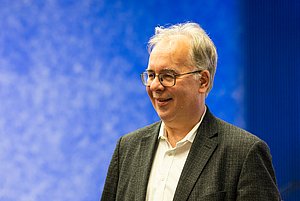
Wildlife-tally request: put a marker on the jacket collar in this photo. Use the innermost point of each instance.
(202, 148)
(147, 152)
(201, 151)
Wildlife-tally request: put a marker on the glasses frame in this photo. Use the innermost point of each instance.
(159, 75)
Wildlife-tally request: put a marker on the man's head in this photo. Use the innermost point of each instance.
(180, 71)
(202, 51)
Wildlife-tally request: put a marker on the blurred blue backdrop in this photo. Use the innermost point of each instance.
(70, 87)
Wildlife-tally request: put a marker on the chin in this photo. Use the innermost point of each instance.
(165, 117)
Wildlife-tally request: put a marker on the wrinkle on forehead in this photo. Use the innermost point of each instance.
(177, 48)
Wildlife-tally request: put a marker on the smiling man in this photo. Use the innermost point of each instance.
(190, 154)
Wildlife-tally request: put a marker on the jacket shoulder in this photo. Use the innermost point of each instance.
(147, 131)
(239, 142)
(230, 132)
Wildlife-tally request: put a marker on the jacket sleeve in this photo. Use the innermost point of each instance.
(111, 183)
(257, 179)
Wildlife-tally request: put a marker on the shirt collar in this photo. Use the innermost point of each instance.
(189, 137)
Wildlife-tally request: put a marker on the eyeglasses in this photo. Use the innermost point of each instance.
(166, 79)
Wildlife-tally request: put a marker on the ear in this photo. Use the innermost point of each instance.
(204, 81)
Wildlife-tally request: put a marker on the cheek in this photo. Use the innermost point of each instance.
(148, 91)
(187, 98)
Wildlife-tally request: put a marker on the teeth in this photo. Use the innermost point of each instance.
(163, 100)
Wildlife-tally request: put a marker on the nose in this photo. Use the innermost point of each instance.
(156, 85)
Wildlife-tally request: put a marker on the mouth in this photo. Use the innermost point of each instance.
(163, 101)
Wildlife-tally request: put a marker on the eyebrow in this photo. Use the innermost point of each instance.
(165, 70)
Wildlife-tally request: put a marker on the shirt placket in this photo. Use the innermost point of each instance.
(165, 168)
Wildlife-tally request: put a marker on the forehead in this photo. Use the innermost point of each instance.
(171, 52)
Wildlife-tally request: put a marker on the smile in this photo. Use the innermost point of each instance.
(163, 101)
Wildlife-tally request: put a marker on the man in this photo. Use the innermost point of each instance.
(190, 154)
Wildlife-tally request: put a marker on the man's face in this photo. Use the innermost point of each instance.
(181, 102)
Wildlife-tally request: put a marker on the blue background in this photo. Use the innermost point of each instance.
(70, 87)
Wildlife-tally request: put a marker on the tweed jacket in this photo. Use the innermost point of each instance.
(224, 163)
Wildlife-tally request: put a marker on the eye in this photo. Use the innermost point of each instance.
(168, 77)
(151, 75)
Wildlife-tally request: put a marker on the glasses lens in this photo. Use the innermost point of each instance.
(167, 79)
(146, 78)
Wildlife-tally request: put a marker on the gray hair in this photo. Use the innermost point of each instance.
(203, 53)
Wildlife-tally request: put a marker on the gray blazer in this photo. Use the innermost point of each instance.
(224, 163)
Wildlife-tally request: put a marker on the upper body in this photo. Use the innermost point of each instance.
(224, 163)
(220, 161)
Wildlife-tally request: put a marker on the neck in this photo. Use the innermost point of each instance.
(177, 130)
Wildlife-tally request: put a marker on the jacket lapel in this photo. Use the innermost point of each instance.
(147, 151)
(203, 147)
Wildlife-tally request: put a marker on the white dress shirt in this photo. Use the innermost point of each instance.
(168, 164)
